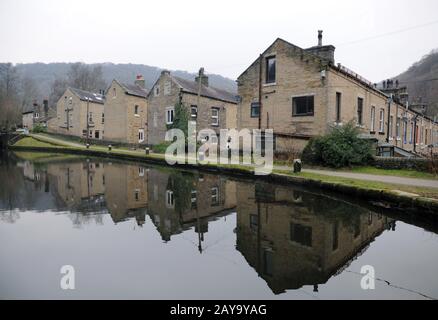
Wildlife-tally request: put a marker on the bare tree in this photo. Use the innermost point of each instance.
(29, 91)
(10, 110)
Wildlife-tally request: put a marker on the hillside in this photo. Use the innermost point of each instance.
(422, 81)
(45, 74)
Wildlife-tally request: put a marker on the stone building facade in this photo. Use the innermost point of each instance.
(217, 109)
(304, 94)
(79, 113)
(126, 118)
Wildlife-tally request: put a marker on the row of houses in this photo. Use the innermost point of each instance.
(299, 93)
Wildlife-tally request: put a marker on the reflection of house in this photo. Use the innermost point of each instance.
(126, 191)
(178, 201)
(295, 239)
(79, 185)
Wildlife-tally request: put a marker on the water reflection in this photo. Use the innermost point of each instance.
(291, 238)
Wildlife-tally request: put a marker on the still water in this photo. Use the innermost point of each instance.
(136, 232)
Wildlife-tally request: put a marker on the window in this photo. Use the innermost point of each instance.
(90, 117)
(136, 110)
(170, 201)
(114, 93)
(141, 171)
(382, 121)
(270, 69)
(373, 119)
(335, 243)
(155, 120)
(405, 131)
(360, 111)
(301, 234)
(140, 135)
(255, 110)
(193, 199)
(193, 112)
(214, 116)
(103, 118)
(338, 106)
(302, 106)
(157, 91)
(37, 115)
(137, 195)
(411, 136)
(254, 222)
(167, 88)
(268, 263)
(97, 134)
(391, 124)
(170, 113)
(397, 128)
(214, 197)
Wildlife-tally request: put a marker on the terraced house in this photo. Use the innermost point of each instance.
(216, 109)
(126, 112)
(79, 113)
(302, 93)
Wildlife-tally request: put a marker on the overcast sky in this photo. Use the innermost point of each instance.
(223, 36)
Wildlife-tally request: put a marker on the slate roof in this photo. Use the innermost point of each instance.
(86, 95)
(28, 109)
(209, 92)
(134, 90)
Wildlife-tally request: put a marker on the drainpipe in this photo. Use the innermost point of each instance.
(389, 118)
(415, 133)
(260, 91)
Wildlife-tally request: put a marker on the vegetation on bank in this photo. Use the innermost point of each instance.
(34, 143)
(342, 147)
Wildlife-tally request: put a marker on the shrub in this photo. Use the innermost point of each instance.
(39, 129)
(342, 147)
(161, 148)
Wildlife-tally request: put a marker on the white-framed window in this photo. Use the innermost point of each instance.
(214, 196)
(214, 116)
(167, 88)
(397, 128)
(170, 200)
(37, 115)
(193, 111)
(170, 114)
(157, 90)
(103, 118)
(382, 121)
(137, 194)
(136, 110)
(140, 135)
(373, 119)
(90, 117)
(141, 171)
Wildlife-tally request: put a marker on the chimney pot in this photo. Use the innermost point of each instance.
(202, 77)
(320, 38)
(139, 81)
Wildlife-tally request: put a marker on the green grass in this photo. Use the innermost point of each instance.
(421, 191)
(394, 172)
(31, 142)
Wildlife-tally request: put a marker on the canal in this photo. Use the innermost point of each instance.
(136, 232)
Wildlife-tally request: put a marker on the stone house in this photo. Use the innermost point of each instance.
(37, 114)
(302, 93)
(126, 112)
(217, 108)
(79, 113)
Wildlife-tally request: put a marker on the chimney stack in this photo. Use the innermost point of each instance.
(202, 77)
(320, 38)
(46, 106)
(139, 81)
